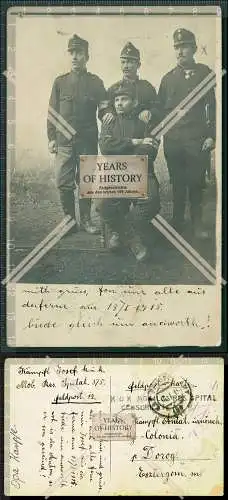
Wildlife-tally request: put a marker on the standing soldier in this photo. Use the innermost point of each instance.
(72, 126)
(145, 93)
(188, 144)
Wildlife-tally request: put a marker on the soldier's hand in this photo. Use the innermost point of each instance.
(208, 144)
(107, 118)
(150, 141)
(52, 146)
(145, 116)
(137, 142)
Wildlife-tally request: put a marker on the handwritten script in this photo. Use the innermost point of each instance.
(118, 315)
(83, 422)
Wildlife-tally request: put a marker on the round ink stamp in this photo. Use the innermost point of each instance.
(169, 396)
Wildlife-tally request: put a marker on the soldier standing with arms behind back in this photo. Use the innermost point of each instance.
(72, 126)
(188, 144)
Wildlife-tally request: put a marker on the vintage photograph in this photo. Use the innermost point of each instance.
(114, 177)
(114, 86)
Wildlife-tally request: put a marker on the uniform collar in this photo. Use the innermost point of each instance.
(79, 73)
(190, 68)
(129, 116)
(129, 80)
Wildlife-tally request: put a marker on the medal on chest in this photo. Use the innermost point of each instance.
(188, 73)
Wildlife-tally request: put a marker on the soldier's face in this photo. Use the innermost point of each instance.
(129, 67)
(123, 104)
(184, 54)
(78, 59)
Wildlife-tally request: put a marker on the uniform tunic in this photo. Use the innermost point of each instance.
(75, 97)
(197, 124)
(186, 161)
(116, 137)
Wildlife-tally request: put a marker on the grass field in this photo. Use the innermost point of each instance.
(35, 211)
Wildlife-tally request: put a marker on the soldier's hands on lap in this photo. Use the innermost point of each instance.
(107, 118)
(52, 146)
(145, 116)
(150, 141)
(137, 142)
(208, 144)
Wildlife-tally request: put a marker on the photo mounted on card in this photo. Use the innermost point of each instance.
(158, 420)
(114, 176)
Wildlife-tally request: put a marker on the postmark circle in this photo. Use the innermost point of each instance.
(169, 396)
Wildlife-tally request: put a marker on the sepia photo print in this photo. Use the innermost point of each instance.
(114, 154)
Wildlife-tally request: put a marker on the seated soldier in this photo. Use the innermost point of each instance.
(128, 135)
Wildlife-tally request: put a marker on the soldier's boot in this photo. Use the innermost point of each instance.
(68, 205)
(138, 249)
(112, 238)
(85, 218)
(179, 200)
(197, 227)
(178, 220)
(114, 241)
(198, 230)
(135, 243)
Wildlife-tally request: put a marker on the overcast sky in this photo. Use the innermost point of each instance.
(41, 55)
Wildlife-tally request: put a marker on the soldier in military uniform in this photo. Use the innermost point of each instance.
(72, 126)
(145, 94)
(188, 144)
(126, 134)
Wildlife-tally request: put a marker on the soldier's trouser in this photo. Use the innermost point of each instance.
(66, 165)
(118, 216)
(187, 165)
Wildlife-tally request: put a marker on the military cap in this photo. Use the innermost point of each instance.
(130, 51)
(77, 43)
(183, 36)
(125, 89)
